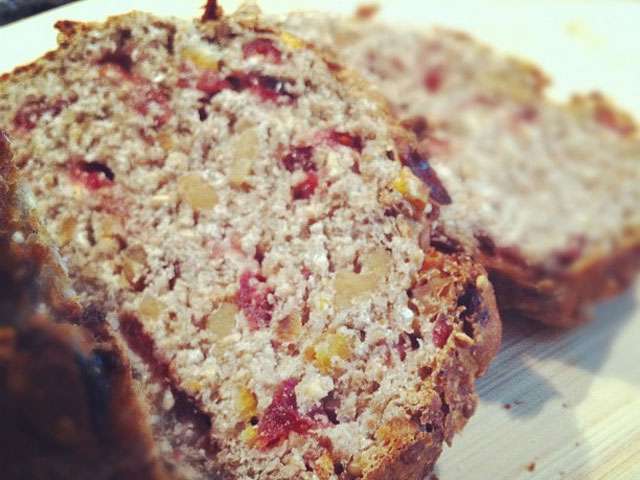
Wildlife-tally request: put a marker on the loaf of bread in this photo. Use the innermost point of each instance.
(69, 409)
(546, 194)
(247, 217)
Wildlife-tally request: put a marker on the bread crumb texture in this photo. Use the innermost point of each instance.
(236, 207)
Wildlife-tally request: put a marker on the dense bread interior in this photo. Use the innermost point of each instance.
(548, 184)
(238, 211)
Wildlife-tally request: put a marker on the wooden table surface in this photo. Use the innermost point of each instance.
(555, 404)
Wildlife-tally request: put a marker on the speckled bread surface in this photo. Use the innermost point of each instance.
(257, 228)
(546, 194)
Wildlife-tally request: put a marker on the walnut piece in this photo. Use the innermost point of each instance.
(197, 192)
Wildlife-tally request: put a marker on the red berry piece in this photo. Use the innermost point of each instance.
(93, 175)
(433, 79)
(346, 139)
(617, 122)
(299, 158)
(441, 332)
(282, 417)
(210, 83)
(263, 47)
(253, 301)
(421, 169)
(306, 188)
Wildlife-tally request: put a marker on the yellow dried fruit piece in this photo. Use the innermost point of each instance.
(67, 230)
(245, 150)
(193, 386)
(197, 192)
(165, 141)
(223, 320)
(291, 40)
(350, 286)
(324, 467)
(201, 59)
(331, 345)
(411, 188)
(246, 403)
(151, 307)
(249, 434)
(289, 328)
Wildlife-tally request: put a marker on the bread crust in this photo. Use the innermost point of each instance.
(68, 402)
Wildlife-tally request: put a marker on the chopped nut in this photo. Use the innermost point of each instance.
(137, 253)
(331, 345)
(223, 320)
(151, 307)
(377, 261)
(201, 59)
(197, 192)
(291, 40)
(246, 403)
(249, 434)
(245, 150)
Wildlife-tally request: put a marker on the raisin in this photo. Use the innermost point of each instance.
(254, 302)
(346, 139)
(93, 175)
(281, 417)
(263, 47)
(421, 169)
(306, 188)
(299, 158)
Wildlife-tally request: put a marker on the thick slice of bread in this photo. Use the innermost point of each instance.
(68, 405)
(245, 214)
(546, 194)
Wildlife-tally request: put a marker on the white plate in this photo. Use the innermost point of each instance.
(564, 404)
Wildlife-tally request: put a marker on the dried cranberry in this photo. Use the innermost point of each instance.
(421, 169)
(264, 47)
(209, 82)
(306, 188)
(27, 116)
(282, 417)
(119, 58)
(299, 158)
(433, 79)
(254, 302)
(441, 332)
(346, 139)
(93, 175)
(269, 88)
(527, 114)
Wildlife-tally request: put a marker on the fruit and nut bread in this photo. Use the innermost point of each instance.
(256, 228)
(69, 408)
(547, 194)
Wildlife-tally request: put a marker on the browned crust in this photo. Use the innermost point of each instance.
(68, 405)
(408, 449)
(559, 299)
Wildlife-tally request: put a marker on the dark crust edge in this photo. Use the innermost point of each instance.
(67, 397)
(560, 299)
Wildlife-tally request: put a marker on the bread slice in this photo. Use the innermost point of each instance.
(68, 405)
(547, 194)
(244, 214)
